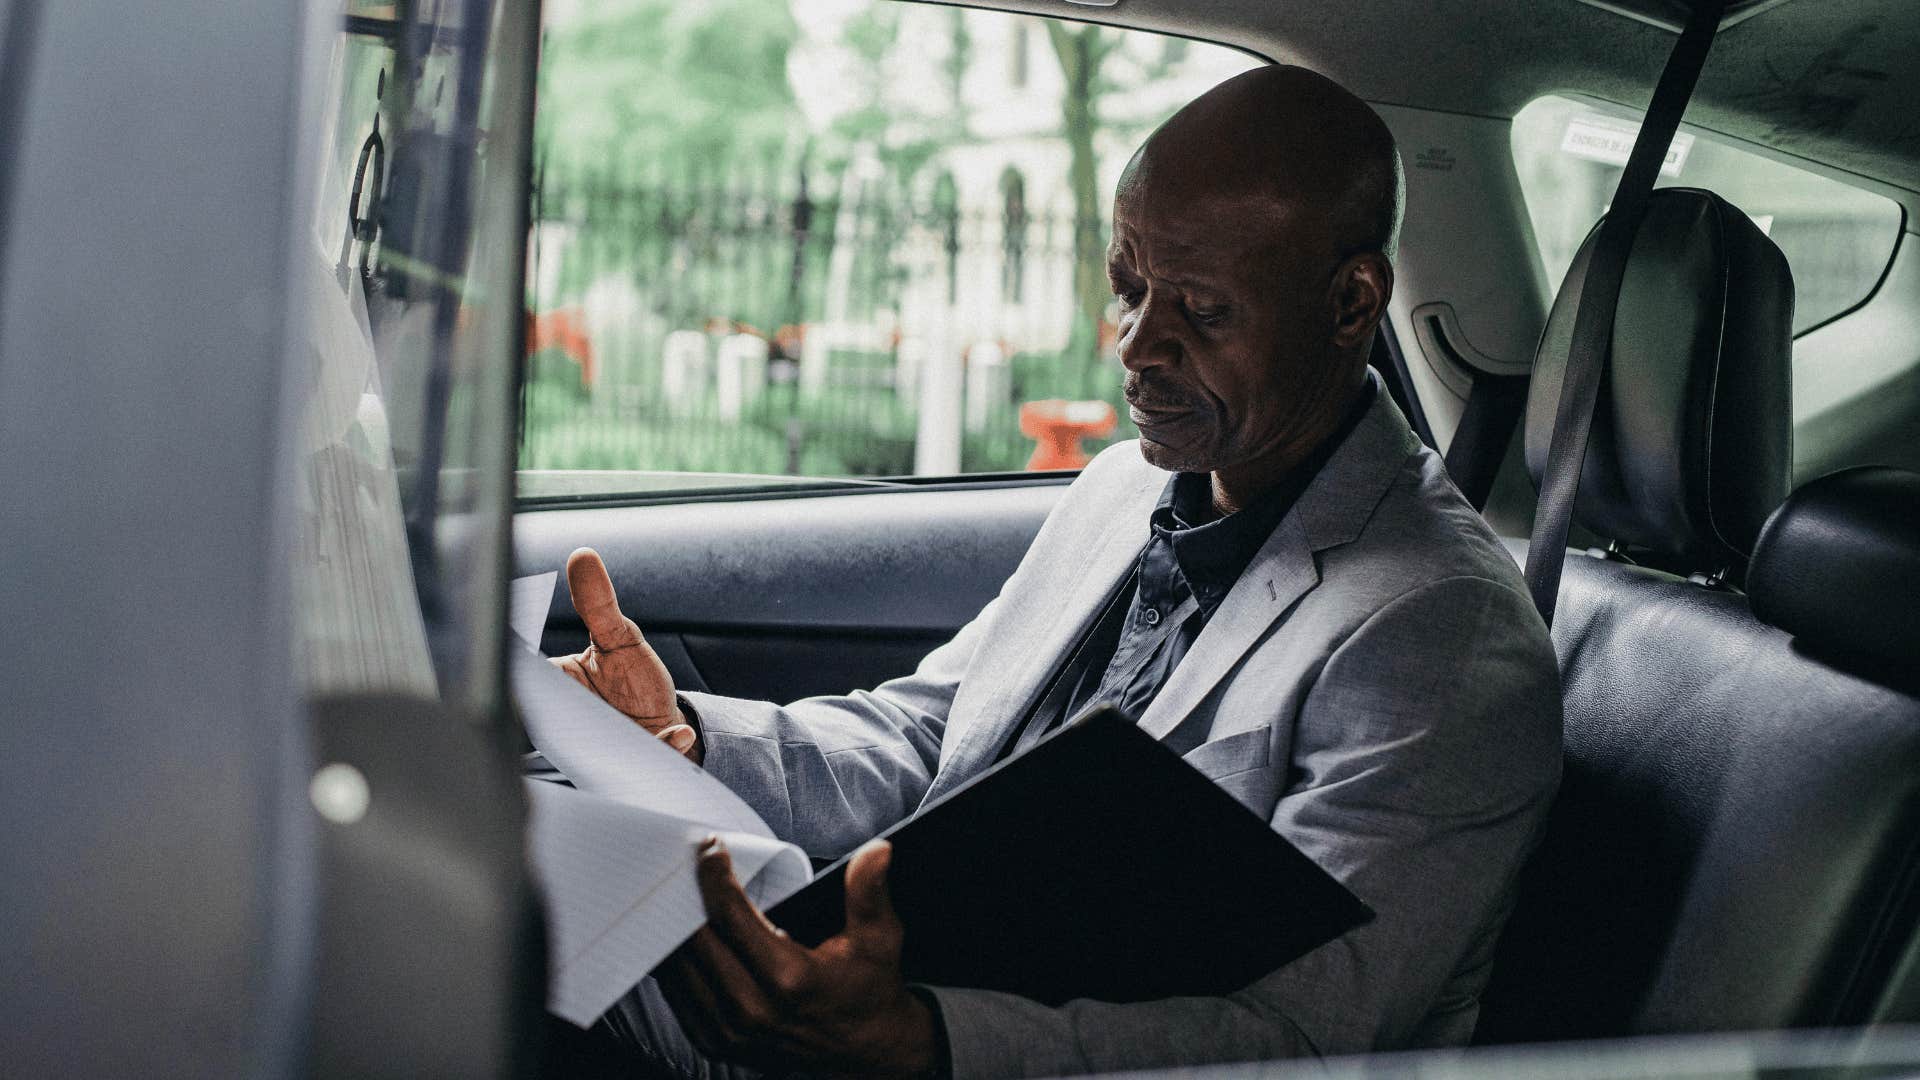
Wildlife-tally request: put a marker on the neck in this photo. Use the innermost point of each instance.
(1240, 485)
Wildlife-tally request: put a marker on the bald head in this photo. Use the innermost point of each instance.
(1284, 136)
(1251, 262)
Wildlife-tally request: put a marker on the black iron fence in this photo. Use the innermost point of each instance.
(817, 326)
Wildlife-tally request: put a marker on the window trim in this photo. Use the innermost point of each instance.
(807, 488)
(1899, 241)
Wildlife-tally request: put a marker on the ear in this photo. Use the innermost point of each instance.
(1361, 288)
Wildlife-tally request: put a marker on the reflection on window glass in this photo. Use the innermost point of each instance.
(1838, 240)
(826, 239)
(360, 622)
(408, 364)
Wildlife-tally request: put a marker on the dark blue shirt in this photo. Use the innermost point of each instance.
(1192, 559)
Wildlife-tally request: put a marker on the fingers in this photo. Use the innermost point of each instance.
(735, 997)
(593, 598)
(869, 900)
(774, 960)
(694, 1002)
(726, 1000)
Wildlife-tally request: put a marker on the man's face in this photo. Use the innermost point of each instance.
(1224, 324)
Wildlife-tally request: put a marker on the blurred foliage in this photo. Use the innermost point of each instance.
(1082, 51)
(558, 378)
(583, 440)
(669, 86)
(848, 431)
(671, 151)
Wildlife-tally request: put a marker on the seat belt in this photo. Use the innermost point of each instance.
(1494, 405)
(1599, 296)
(1391, 367)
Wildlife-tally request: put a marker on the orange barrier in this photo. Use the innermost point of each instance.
(565, 329)
(1057, 426)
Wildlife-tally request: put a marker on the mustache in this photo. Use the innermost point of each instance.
(1156, 397)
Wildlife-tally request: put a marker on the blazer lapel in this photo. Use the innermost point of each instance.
(1025, 661)
(1332, 511)
(1280, 574)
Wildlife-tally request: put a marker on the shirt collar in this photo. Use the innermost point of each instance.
(1210, 551)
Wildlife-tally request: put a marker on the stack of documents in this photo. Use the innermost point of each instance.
(614, 853)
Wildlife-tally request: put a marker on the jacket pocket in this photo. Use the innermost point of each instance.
(1243, 751)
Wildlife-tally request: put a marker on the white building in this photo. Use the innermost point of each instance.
(1005, 161)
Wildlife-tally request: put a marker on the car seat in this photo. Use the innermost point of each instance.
(1734, 843)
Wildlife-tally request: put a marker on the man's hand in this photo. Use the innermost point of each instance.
(618, 664)
(744, 991)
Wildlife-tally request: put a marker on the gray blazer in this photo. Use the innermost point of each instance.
(1377, 685)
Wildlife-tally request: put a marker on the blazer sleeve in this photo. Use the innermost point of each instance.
(828, 773)
(1424, 758)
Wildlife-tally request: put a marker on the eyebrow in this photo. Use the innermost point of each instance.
(1175, 280)
(1191, 283)
(1179, 281)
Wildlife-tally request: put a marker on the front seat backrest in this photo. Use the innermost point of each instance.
(1733, 843)
(1692, 441)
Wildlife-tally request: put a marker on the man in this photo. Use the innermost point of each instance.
(1305, 609)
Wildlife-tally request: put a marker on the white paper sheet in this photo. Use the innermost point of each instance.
(528, 601)
(614, 854)
(621, 892)
(604, 752)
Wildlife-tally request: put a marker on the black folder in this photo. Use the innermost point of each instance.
(1097, 864)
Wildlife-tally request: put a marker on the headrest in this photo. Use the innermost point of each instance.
(1838, 565)
(1693, 433)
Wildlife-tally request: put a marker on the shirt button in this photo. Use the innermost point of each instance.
(1152, 615)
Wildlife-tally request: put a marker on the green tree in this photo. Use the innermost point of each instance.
(1081, 50)
(656, 120)
(959, 55)
(668, 86)
(869, 36)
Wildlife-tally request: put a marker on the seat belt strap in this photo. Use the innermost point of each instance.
(1494, 405)
(1599, 296)
(1391, 367)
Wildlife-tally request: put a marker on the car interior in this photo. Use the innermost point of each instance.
(1733, 848)
(1736, 844)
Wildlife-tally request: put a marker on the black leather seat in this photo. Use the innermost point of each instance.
(1737, 840)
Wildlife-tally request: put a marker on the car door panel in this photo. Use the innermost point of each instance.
(785, 667)
(786, 597)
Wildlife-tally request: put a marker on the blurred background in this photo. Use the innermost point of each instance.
(854, 238)
(832, 237)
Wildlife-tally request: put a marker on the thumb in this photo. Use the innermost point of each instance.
(679, 736)
(869, 897)
(593, 598)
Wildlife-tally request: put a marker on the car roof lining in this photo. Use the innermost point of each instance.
(1826, 80)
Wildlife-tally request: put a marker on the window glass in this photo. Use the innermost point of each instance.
(1838, 240)
(414, 240)
(827, 239)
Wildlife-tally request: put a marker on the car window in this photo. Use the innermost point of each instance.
(407, 372)
(781, 241)
(1838, 239)
(1854, 362)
